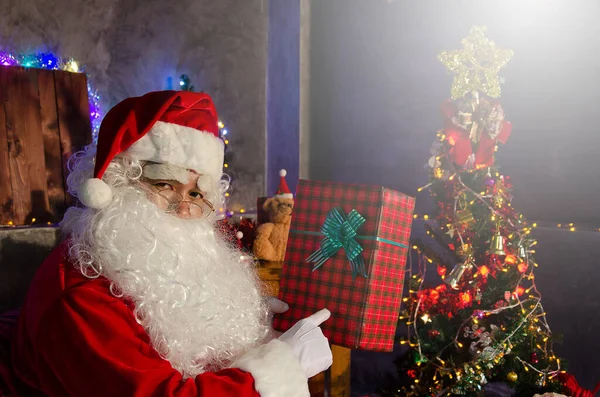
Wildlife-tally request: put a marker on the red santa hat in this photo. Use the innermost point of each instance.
(284, 190)
(179, 128)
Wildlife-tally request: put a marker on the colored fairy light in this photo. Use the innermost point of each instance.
(50, 61)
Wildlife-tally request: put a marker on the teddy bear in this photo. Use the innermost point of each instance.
(271, 238)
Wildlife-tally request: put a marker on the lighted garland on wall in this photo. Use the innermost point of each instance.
(50, 61)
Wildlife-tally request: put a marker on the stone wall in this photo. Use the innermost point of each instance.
(22, 250)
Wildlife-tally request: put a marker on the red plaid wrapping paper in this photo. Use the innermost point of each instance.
(364, 310)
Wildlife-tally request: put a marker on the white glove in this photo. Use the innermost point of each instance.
(309, 344)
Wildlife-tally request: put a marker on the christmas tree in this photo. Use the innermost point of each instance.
(481, 319)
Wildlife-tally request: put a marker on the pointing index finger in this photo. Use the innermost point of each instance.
(319, 317)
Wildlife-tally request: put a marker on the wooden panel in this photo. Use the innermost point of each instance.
(6, 194)
(26, 146)
(340, 372)
(270, 273)
(52, 148)
(73, 117)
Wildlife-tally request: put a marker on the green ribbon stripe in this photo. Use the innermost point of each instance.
(360, 237)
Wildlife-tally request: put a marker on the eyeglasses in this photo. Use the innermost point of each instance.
(169, 201)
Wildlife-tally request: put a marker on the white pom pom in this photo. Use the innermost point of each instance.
(94, 193)
(239, 235)
(282, 172)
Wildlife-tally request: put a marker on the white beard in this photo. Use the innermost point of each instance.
(199, 303)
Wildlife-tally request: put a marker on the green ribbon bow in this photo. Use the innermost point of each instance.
(340, 232)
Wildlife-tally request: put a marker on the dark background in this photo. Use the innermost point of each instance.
(376, 87)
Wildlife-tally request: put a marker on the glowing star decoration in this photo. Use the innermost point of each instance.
(476, 66)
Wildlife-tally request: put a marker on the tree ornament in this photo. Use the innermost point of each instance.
(497, 244)
(465, 250)
(521, 252)
(464, 216)
(512, 377)
(419, 358)
(442, 270)
(433, 333)
(534, 358)
(541, 382)
(456, 275)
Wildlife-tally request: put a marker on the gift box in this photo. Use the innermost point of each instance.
(347, 252)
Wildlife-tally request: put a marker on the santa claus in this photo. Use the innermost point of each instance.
(144, 297)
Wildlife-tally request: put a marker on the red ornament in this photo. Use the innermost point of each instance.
(442, 270)
(534, 358)
(412, 373)
(433, 333)
(461, 148)
(484, 270)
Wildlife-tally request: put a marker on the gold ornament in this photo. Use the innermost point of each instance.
(465, 250)
(511, 376)
(497, 245)
(457, 273)
(464, 216)
(438, 173)
(476, 66)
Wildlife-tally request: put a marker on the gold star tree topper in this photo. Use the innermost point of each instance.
(476, 66)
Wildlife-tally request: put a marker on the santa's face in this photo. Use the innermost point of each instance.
(176, 191)
(200, 304)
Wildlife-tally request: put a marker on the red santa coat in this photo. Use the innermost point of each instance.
(74, 338)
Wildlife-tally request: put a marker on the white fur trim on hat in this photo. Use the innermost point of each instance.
(285, 195)
(187, 147)
(166, 171)
(94, 193)
(276, 370)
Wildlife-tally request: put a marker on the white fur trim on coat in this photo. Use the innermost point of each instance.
(187, 147)
(276, 370)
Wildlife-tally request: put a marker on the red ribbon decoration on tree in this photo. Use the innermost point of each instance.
(460, 139)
